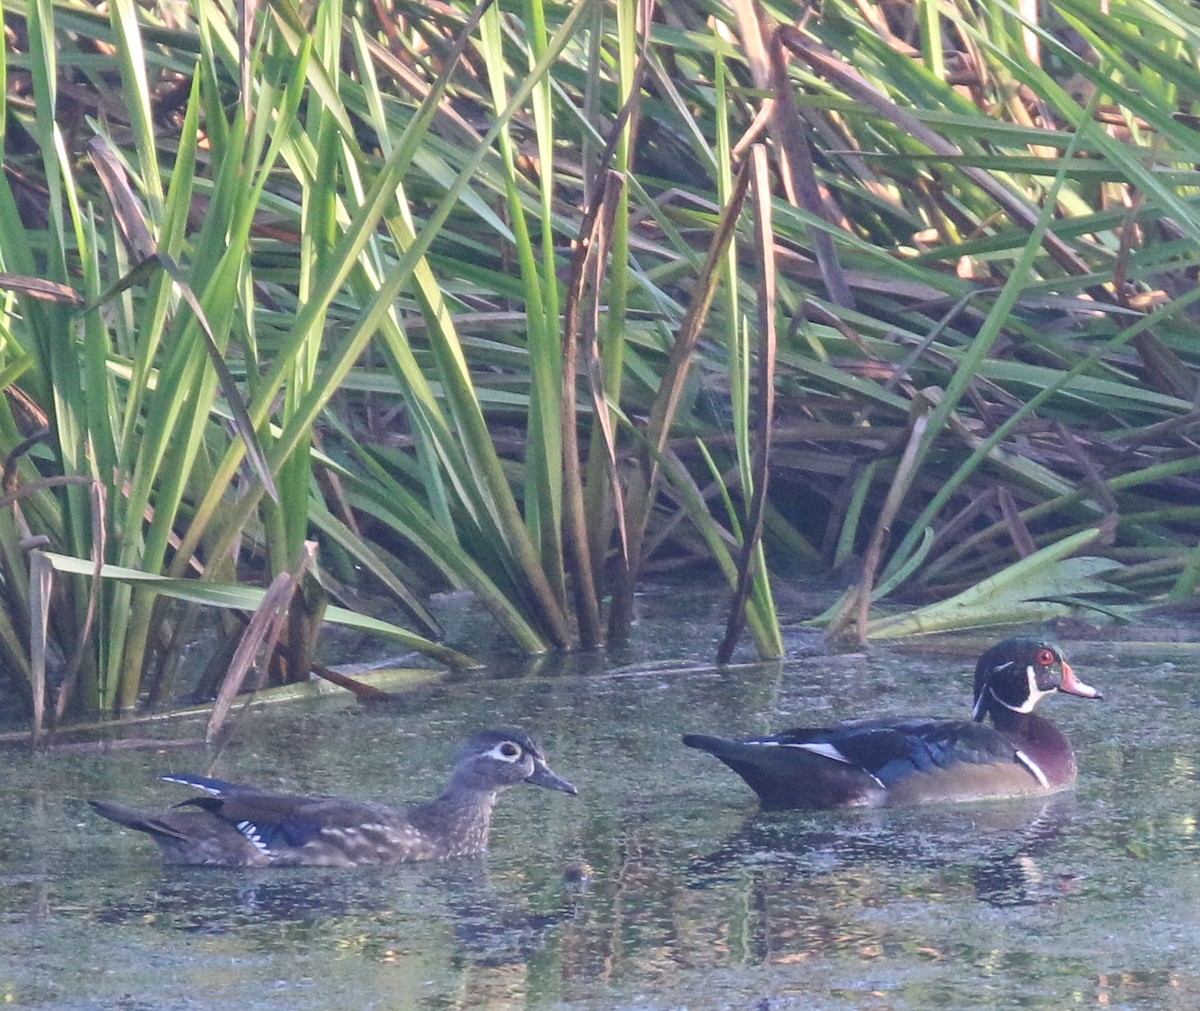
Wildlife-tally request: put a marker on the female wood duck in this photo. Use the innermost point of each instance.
(913, 761)
(242, 826)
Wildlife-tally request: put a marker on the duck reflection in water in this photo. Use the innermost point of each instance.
(997, 847)
(375, 910)
(285, 846)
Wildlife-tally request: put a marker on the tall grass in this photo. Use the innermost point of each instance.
(532, 298)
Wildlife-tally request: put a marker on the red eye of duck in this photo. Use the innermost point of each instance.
(1045, 657)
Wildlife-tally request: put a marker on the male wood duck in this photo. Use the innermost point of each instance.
(912, 761)
(243, 826)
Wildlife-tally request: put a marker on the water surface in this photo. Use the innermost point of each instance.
(690, 899)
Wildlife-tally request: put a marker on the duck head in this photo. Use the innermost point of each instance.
(495, 759)
(1016, 674)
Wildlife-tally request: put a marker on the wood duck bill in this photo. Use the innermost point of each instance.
(237, 825)
(1073, 686)
(1004, 750)
(543, 775)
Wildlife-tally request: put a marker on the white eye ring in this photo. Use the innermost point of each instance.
(505, 751)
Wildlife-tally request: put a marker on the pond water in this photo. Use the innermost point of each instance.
(692, 900)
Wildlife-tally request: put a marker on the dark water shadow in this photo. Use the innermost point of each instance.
(996, 846)
(384, 908)
(1085, 898)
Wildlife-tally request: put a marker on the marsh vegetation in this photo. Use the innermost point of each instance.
(309, 316)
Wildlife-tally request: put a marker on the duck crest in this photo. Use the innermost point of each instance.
(908, 761)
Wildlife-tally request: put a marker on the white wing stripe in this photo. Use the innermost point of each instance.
(212, 791)
(250, 831)
(825, 750)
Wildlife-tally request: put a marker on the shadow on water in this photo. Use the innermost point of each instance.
(995, 846)
(386, 906)
(659, 886)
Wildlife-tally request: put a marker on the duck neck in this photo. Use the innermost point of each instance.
(1009, 721)
(1039, 740)
(461, 817)
(468, 804)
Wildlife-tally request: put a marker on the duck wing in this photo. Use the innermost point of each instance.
(860, 762)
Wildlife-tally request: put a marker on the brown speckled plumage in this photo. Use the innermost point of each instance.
(242, 826)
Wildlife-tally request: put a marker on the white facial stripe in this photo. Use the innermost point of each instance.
(1033, 767)
(1033, 694)
(501, 752)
